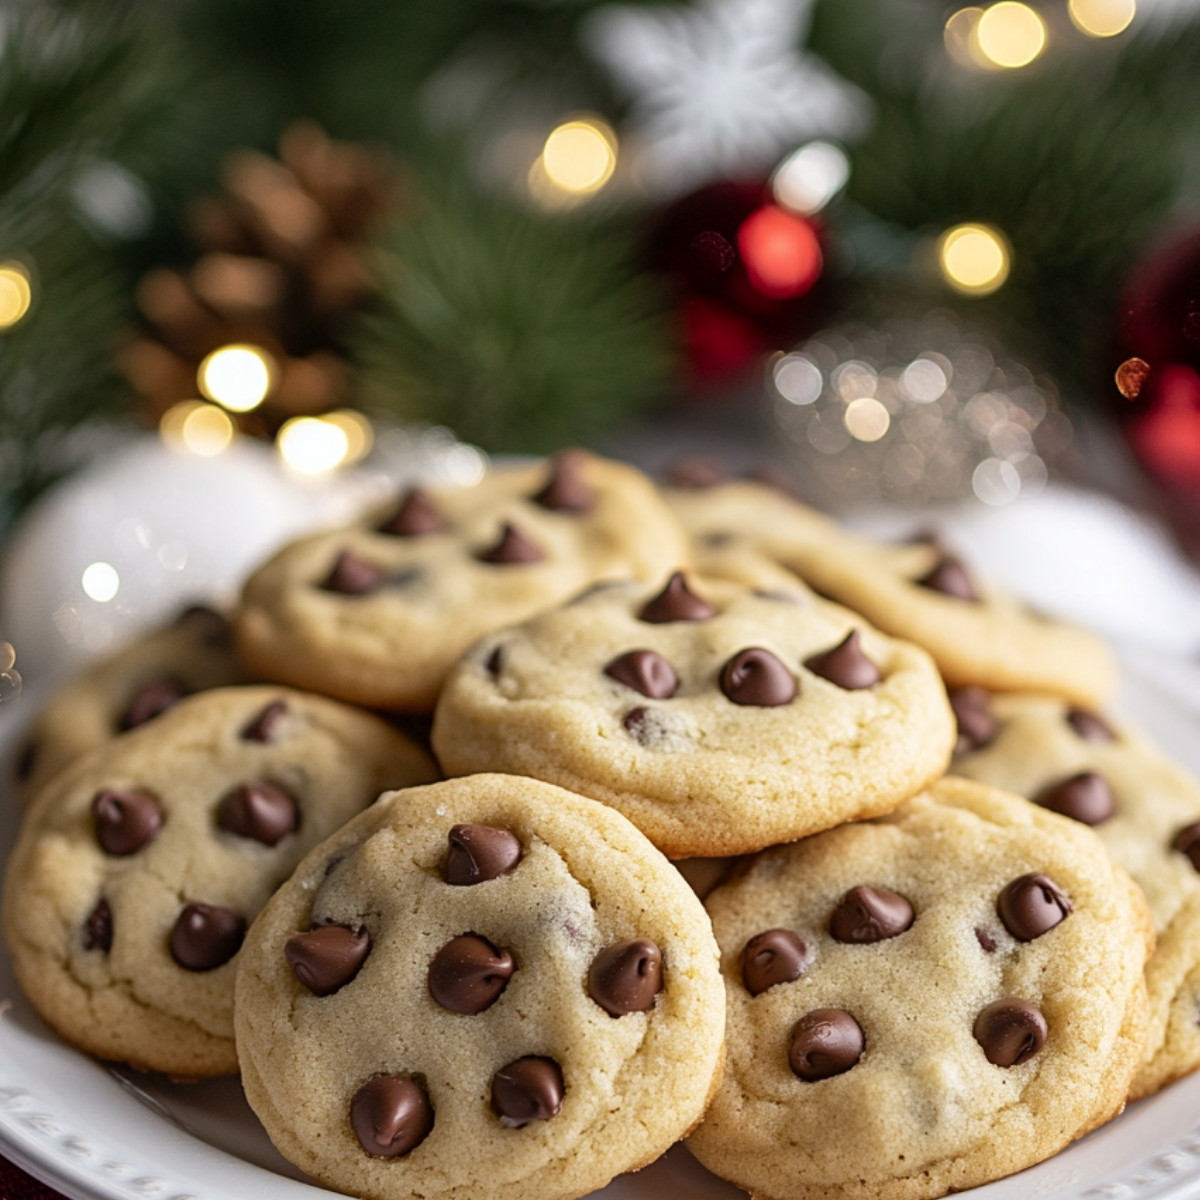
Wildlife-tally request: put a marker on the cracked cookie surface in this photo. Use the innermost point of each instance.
(1145, 809)
(917, 590)
(126, 689)
(138, 869)
(377, 613)
(923, 1002)
(719, 717)
(485, 988)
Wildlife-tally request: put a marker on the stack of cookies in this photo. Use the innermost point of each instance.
(464, 960)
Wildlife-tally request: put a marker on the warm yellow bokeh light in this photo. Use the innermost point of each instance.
(16, 294)
(580, 156)
(240, 377)
(959, 36)
(197, 427)
(312, 445)
(975, 259)
(360, 436)
(1009, 34)
(1102, 18)
(100, 582)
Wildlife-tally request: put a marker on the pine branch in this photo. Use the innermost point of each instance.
(521, 332)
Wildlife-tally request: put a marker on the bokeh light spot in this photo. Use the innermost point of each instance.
(312, 445)
(1102, 18)
(100, 582)
(580, 156)
(781, 252)
(16, 293)
(867, 420)
(975, 259)
(239, 377)
(1010, 34)
(810, 177)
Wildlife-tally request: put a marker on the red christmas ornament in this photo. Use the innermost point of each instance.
(1158, 367)
(746, 273)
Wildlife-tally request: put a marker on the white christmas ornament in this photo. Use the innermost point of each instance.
(720, 89)
(138, 535)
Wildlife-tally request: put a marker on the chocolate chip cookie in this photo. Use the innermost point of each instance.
(487, 988)
(720, 718)
(378, 612)
(1146, 810)
(126, 689)
(924, 1002)
(138, 869)
(917, 590)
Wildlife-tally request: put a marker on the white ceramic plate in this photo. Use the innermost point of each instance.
(96, 1133)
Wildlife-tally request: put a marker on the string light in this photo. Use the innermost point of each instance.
(197, 427)
(100, 582)
(578, 158)
(959, 36)
(780, 251)
(810, 177)
(1009, 34)
(974, 259)
(1102, 18)
(16, 293)
(360, 437)
(312, 445)
(239, 377)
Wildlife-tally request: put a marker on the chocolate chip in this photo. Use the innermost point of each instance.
(645, 671)
(1085, 797)
(626, 978)
(152, 698)
(206, 936)
(774, 956)
(565, 490)
(210, 626)
(845, 665)
(949, 577)
(495, 662)
(529, 1089)
(98, 928)
(264, 727)
(259, 811)
(985, 940)
(390, 1116)
(972, 710)
(1010, 1031)
(353, 575)
(1032, 905)
(634, 722)
(479, 853)
(697, 472)
(676, 602)
(867, 914)
(326, 957)
(415, 516)
(825, 1042)
(513, 547)
(468, 974)
(1089, 726)
(125, 821)
(757, 678)
(1187, 841)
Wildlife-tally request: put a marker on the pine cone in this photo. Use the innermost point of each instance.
(283, 267)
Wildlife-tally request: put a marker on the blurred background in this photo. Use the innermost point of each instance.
(908, 253)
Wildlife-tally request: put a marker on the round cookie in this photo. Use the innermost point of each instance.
(718, 717)
(1146, 810)
(127, 689)
(916, 590)
(486, 989)
(377, 613)
(924, 1002)
(137, 870)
